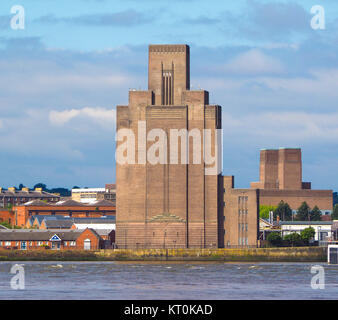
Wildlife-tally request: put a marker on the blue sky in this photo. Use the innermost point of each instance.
(62, 76)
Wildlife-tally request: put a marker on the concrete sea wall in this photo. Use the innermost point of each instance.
(300, 254)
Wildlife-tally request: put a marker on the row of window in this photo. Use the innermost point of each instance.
(31, 243)
(88, 195)
(242, 211)
(242, 227)
(8, 199)
(243, 241)
(243, 202)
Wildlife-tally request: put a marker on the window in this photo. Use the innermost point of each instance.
(0, 243)
(7, 243)
(65, 243)
(30, 243)
(40, 243)
(72, 243)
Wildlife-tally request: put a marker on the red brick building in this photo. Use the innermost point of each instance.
(23, 239)
(67, 208)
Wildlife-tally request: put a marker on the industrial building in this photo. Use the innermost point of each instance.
(281, 179)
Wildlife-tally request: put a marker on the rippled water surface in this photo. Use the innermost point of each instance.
(212, 281)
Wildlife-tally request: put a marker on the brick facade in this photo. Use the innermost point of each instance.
(241, 215)
(281, 179)
(167, 205)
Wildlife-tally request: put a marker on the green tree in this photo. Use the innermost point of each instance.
(334, 214)
(315, 214)
(303, 212)
(264, 211)
(284, 211)
(293, 239)
(274, 238)
(6, 224)
(307, 234)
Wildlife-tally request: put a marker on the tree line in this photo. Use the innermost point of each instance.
(64, 192)
(304, 212)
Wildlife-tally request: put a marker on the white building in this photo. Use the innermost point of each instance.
(87, 195)
(323, 229)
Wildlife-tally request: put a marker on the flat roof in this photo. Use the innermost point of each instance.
(305, 223)
(89, 190)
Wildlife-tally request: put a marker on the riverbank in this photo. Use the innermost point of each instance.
(299, 254)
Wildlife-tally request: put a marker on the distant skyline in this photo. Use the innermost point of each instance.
(63, 75)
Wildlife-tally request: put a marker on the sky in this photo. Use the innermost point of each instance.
(62, 76)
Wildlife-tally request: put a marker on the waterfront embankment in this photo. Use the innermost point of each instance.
(295, 254)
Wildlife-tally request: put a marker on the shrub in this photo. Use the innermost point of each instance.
(274, 239)
(293, 239)
(307, 234)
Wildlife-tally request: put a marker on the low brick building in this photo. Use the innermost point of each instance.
(15, 197)
(6, 215)
(241, 215)
(86, 239)
(67, 208)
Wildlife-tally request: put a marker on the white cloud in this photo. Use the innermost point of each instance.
(254, 62)
(61, 117)
(286, 128)
(100, 115)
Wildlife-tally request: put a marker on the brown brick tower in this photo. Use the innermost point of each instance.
(280, 169)
(168, 205)
(281, 179)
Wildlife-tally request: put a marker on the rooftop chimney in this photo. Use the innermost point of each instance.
(38, 190)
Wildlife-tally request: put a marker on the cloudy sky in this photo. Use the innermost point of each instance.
(61, 77)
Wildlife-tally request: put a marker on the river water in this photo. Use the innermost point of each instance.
(211, 281)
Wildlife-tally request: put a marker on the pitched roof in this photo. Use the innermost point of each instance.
(58, 223)
(102, 203)
(38, 235)
(69, 203)
(103, 232)
(28, 194)
(36, 203)
(111, 220)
